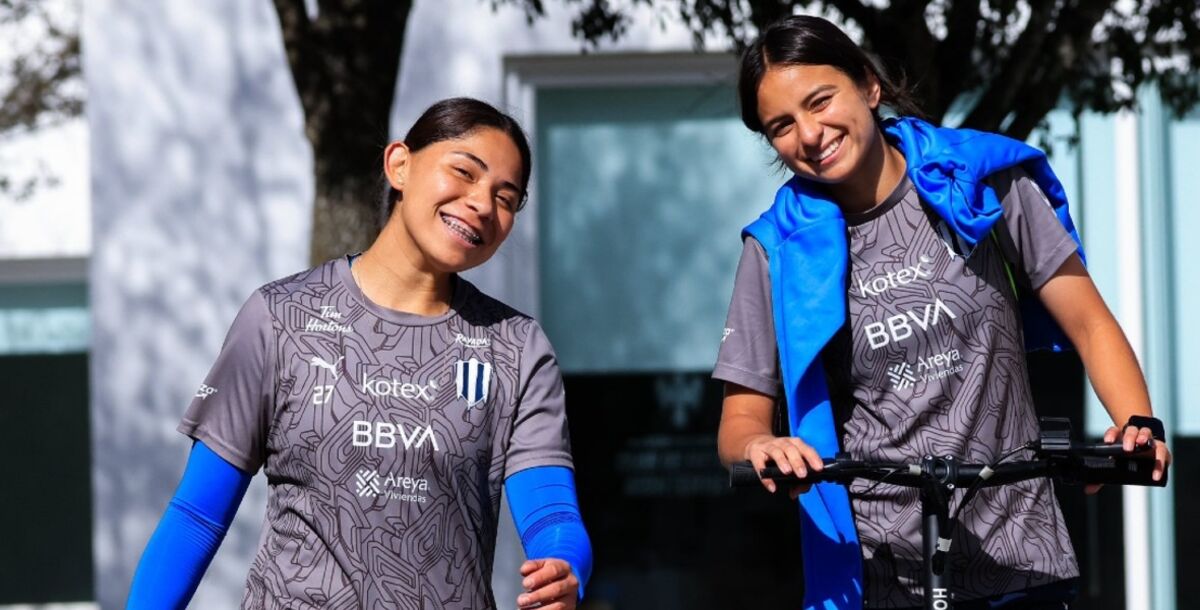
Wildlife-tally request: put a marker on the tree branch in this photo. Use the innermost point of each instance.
(1042, 87)
(1031, 111)
(763, 14)
(954, 57)
(1001, 92)
(866, 17)
(907, 41)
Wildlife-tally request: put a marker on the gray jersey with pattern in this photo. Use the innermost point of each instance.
(931, 362)
(384, 436)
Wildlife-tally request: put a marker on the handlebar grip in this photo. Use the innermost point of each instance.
(742, 474)
(1116, 450)
(1104, 450)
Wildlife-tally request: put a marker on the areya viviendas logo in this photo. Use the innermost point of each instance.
(938, 366)
(370, 483)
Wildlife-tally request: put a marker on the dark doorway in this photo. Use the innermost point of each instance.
(45, 447)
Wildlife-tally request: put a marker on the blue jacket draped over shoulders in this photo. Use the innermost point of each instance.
(804, 236)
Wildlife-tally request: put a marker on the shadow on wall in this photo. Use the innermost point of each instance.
(201, 189)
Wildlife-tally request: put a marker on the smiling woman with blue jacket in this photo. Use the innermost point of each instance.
(887, 298)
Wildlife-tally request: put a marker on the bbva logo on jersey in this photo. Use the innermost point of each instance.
(473, 379)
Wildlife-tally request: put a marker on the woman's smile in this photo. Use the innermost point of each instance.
(461, 231)
(828, 155)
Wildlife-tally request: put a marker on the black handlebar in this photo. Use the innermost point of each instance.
(938, 478)
(1076, 464)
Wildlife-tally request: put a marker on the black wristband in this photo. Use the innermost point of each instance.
(1155, 424)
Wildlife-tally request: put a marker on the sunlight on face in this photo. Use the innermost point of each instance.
(818, 120)
(459, 199)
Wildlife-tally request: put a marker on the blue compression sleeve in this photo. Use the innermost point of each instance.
(546, 513)
(189, 533)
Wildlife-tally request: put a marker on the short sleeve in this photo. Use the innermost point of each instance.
(1039, 243)
(539, 434)
(231, 412)
(748, 355)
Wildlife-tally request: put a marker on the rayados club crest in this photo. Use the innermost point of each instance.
(473, 379)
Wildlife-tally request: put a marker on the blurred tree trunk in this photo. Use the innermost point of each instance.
(345, 60)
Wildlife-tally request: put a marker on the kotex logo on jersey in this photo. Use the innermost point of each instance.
(880, 284)
(381, 387)
(473, 379)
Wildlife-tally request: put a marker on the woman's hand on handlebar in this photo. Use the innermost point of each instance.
(1133, 439)
(790, 454)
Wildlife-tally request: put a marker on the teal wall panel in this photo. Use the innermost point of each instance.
(1183, 141)
(642, 195)
(44, 319)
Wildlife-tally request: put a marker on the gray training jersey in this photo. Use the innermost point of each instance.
(384, 436)
(931, 362)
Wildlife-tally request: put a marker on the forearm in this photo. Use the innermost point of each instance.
(545, 510)
(736, 431)
(745, 416)
(1113, 370)
(189, 533)
(175, 559)
(1073, 300)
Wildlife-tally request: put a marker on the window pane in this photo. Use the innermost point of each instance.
(643, 192)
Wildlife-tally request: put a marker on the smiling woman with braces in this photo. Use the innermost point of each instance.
(388, 402)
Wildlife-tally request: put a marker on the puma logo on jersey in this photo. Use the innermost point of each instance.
(320, 362)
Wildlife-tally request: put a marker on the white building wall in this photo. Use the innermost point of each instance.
(201, 186)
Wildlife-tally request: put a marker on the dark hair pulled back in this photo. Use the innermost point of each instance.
(808, 40)
(459, 117)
